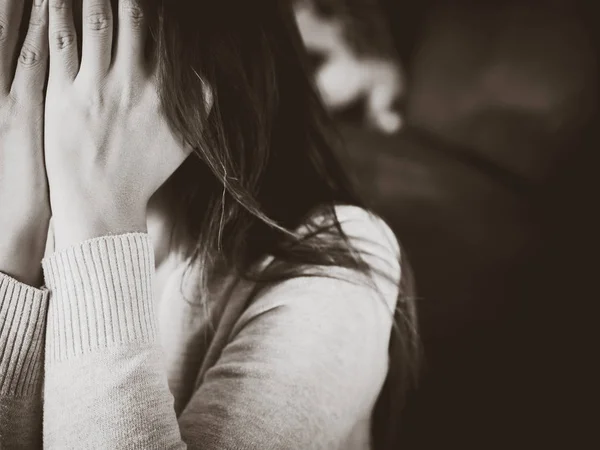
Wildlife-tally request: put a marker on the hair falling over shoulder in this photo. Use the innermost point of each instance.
(265, 157)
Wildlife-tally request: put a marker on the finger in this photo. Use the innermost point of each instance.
(132, 34)
(11, 12)
(97, 23)
(64, 57)
(30, 75)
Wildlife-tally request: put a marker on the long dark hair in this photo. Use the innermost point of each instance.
(265, 158)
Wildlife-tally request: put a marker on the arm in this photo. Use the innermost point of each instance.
(307, 361)
(22, 325)
(105, 385)
(24, 218)
(105, 382)
(305, 368)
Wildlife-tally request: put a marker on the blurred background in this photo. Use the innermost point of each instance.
(472, 128)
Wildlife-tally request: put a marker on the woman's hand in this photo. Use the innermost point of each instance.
(24, 206)
(108, 146)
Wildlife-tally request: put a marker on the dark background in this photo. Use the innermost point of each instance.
(492, 188)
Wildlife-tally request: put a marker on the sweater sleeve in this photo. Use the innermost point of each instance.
(22, 326)
(304, 365)
(105, 382)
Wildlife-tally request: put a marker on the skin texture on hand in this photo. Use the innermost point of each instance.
(108, 146)
(24, 205)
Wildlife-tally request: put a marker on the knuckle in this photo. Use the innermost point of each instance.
(99, 21)
(133, 12)
(35, 24)
(36, 27)
(59, 4)
(30, 55)
(37, 8)
(63, 39)
(38, 17)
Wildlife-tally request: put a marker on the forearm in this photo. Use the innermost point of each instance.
(22, 327)
(105, 381)
(24, 219)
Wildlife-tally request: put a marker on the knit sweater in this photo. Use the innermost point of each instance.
(92, 361)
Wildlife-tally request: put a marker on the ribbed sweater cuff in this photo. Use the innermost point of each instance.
(22, 323)
(101, 296)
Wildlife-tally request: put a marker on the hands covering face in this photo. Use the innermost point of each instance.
(106, 145)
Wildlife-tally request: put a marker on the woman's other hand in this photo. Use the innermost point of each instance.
(24, 205)
(108, 146)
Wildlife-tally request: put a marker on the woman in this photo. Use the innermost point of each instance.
(193, 134)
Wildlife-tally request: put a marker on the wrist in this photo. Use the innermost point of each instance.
(74, 229)
(22, 249)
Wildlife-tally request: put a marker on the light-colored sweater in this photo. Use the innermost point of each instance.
(103, 366)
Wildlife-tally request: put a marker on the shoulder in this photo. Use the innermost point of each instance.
(368, 231)
(368, 236)
(359, 225)
(321, 332)
(363, 233)
(308, 355)
(340, 300)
